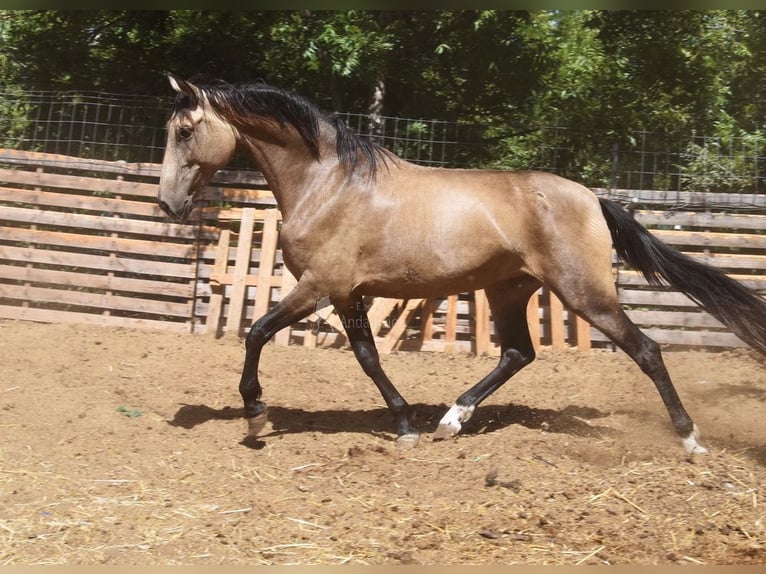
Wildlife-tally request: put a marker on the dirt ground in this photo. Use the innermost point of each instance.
(126, 447)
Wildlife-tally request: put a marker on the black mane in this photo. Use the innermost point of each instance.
(238, 102)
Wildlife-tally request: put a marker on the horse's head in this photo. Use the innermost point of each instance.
(199, 143)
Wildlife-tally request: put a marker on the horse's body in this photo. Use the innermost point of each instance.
(358, 220)
(423, 232)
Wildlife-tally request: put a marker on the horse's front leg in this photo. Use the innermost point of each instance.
(296, 305)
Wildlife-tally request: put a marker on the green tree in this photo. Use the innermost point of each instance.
(600, 76)
(83, 50)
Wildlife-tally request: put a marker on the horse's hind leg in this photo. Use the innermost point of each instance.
(508, 303)
(354, 318)
(593, 297)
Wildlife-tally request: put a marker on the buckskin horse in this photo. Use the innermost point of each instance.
(358, 220)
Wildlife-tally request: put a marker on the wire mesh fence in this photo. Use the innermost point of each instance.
(131, 128)
(437, 143)
(87, 125)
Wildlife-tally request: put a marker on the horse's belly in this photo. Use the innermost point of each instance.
(440, 281)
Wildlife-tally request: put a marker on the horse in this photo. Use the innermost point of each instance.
(358, 220)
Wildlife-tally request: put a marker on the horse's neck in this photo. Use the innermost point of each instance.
(287, 170)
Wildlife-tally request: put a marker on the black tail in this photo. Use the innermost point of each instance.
(732, 303)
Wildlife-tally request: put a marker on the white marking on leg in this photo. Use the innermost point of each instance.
(453, 420)
(690, 442)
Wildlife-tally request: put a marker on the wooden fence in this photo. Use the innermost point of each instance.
(83, 241)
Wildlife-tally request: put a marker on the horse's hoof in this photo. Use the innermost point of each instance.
(255, 424)
(452, 421)
(445, 431)
(691, 446)
(409, 440)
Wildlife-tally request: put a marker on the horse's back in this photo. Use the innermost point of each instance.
(524, 206)
(445, 230)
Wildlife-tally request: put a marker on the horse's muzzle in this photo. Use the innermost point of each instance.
(180, 214)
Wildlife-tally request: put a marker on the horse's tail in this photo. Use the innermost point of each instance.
(731, 302)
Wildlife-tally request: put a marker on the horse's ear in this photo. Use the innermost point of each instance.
(183, 87)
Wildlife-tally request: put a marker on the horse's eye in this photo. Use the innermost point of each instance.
(185, 133)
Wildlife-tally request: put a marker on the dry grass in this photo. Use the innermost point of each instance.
(336, 512)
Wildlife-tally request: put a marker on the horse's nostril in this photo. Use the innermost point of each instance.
(166, 208)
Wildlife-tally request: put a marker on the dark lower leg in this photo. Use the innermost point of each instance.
(249, 385)
(367, 355)
(512, 360)
(354, 319)
(647, 355)
(508, 303)
(296, 305)
(649, 358)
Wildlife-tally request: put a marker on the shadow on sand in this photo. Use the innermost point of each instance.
(572, 420)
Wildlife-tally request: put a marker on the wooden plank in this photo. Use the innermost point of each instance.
(450, 326)
(95, 300)
(90, 280)
(162, 229)
(730, 260)
(28, 158)
(231, 194)
(235, 213)
(266, 264)
(655, 298)
(481, 326)
(694, 338)
(241, 269)
(693, 319)
(630, 278)
(31, 158)
(441, 346)
(70, 191)
(711, 239)
(213, 321)
(70, 317)
(582, 332)
(703, 220)
(81, 260)
(92, 184)
(288, 284)
(684, 198)
(310, 337)
(556, 319)
(727, 261)
(98, 242)
(427, 320)
(81, 202)
(533, 319)
(329, 316)
(379, 311)
(399, 327)
(249, 280)
(681, 337)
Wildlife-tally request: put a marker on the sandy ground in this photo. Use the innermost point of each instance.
(126, 447)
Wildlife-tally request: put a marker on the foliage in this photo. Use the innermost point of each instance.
(723, 163)
(14, 116)
(602, 75)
